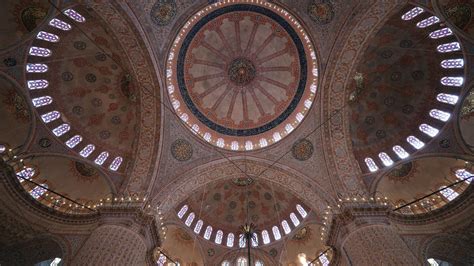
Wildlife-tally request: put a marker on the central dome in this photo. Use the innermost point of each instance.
(242, 76)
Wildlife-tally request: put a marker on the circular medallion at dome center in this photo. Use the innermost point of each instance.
(242, 75)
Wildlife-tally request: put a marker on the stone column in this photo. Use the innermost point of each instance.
(112, 245)
(361, 234)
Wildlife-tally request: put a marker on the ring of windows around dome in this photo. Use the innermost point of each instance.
(37, 84)
(452, 62)
(229, 239)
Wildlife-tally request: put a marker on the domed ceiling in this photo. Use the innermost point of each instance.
(403, 76)
(15, 115)
(90, 85)
(242, 76)
(228, 204)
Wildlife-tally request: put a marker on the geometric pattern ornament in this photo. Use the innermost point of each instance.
(242, 74)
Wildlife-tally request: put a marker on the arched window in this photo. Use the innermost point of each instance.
(254, 240)
(59, 24)
(182, 211)
(248, 145)
(38, 191)
(452, 81)
(219, 235)
(198, 227)
(286, 227)
(441, 33)
(72, 142)
(46, 36)
(39, 51)
(259, 263)
(225, 263)
(242, 261)
(207, 136)
(415, 142)
(114, 166)
(220, 142)
(230, 240)
(276, 232)
(463, 174)
(301, 211)
(371, 164)
(87, 150)
(42, 101)
(61, 130)
(427, 22)
(234, 145)
(294, 219)
(51, 116)
(263, 142)
(208, 232)
(101, 158)
(429, 130)
(73, 14)
(452, 63)
(440, 115)
(265, 237)
(36, 68)
(242, 241)
(26, 173)
(448, 47)
(37, 84)
(386, 160)
(448, 193)
(412, 13)
(190, 219)
(447, 98)
(161, 260)
(324, 260)
(401, 153)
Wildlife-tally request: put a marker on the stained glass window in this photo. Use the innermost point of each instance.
(452, 63)
(412, 13)
(286, 227)
(440, 115)
(452, 81)
(234, 145)
(276, 232)
(427, 22)
(42, 101)
(441, 33)
(37, 84)
(61, 130)
(448, 193)
(72, 142)
(46, 36)
(301, 210)
(219, 236)
(208, 232)
(462, 174)
(59, 24)
(259, 263)
(190, 219)
(38, 191)
(415, 142)
(447, 98)
(294, 219)
(198, 227)
(87, 150)
(51, 116)
(386, 160)
(400, 151)
(448, 47)
(183, 211)
(36, 68)
(429, 130)
(26, 173)
(161, 260)
(101, 158)
(73, 14)
(254, 240)
(265, 237)
(371, 164)
(39, 51)
(114, 166)
(225, 263)
(242, 261)
(242, 241)
(324, 260)
(230, 240)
